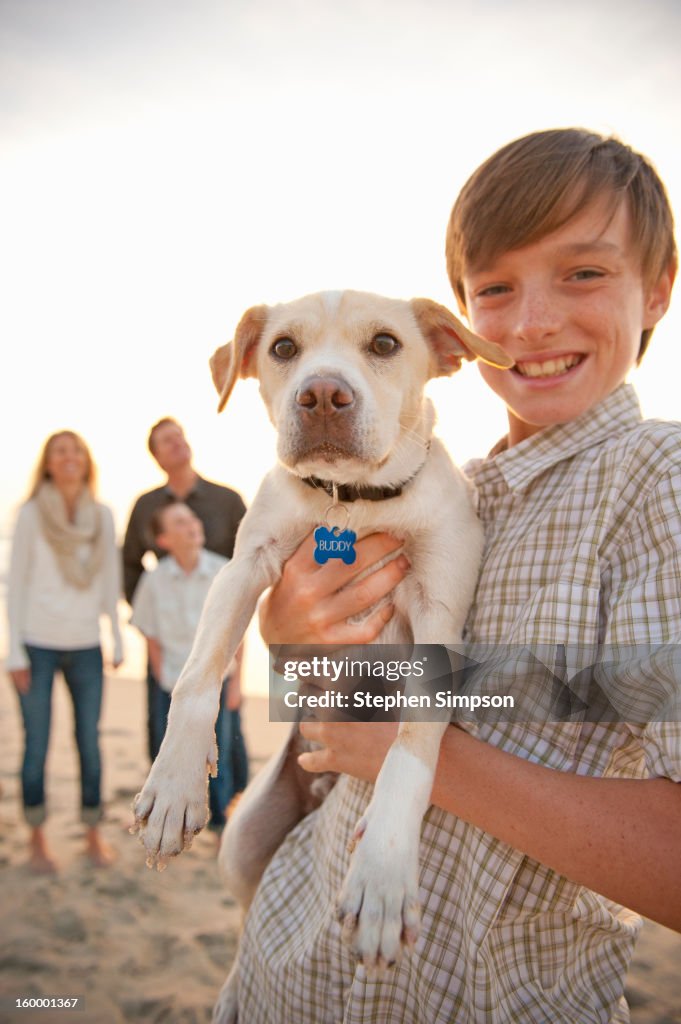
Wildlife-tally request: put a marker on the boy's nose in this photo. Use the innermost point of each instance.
(537, 317)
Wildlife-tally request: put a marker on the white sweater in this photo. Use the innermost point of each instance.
(46, 611)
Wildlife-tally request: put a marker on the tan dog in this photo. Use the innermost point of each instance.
(342, 376)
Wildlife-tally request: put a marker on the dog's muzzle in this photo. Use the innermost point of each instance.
(326, 419)
(325, 397)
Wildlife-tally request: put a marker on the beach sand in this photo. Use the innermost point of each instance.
(138, 945)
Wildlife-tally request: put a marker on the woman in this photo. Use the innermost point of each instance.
(63, 574)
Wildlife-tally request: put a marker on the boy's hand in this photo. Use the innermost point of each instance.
(354, 748)
(311, 603)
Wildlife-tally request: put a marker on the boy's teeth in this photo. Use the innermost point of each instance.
(551, 368)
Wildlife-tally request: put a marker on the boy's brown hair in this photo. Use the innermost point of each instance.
(532, 186)
(157, 521)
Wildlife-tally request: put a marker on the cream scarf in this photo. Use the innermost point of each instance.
(68, 539)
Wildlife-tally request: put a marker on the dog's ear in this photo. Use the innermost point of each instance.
(451, 341)
(237, 358)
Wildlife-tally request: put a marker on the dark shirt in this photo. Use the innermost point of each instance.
(219, 508)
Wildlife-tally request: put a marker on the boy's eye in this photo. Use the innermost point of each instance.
(586, 273)
(492, 289)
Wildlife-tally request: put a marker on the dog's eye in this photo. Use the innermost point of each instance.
(384, 345)
(284, 348)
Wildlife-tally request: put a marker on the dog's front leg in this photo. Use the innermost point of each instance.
(378, 906)
(172, 806)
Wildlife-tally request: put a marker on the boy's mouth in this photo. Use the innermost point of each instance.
(548, 367)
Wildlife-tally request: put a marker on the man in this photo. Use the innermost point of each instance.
(219, 508)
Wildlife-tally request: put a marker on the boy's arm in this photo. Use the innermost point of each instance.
(145, 616)
(619, 837)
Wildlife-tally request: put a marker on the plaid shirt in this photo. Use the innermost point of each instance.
(583, 528)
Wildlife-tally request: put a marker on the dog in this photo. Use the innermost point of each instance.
(342, 375)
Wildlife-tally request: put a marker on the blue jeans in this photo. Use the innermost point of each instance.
(232, 775)
(83, 672)
(152, 688)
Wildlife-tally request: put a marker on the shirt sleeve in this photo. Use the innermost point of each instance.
(144, 608)
(17, 587)
(644, 623)
(134, 548)
(111, 582)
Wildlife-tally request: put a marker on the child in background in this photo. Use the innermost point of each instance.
(166, 609)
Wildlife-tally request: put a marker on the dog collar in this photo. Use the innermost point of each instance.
(353, 492)
(359, 492)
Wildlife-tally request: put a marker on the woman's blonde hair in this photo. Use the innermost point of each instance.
(41, 472)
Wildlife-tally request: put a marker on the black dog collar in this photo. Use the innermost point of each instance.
(353, 492)
(359, 492)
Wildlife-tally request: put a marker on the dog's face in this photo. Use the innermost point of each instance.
(342, 374)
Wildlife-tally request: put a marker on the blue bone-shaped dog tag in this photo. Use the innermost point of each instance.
(334, 543)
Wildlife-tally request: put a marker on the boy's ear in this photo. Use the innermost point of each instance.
(161, 540)
(659, 296)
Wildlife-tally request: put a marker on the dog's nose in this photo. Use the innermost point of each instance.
(324, 396)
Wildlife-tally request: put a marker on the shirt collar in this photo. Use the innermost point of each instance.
(202, 567)
(524, 462)
(198, 487)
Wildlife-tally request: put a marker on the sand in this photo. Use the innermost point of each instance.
(136, 945)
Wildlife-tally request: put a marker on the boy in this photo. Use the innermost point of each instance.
(219, 508)
(166, 609)
(560, 249)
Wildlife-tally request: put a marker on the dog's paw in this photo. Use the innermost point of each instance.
(378, 907)
(173, 805)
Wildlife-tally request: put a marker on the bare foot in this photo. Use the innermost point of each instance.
(99, 851)
(41, 861)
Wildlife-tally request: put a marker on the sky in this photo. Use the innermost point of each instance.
(164, 165)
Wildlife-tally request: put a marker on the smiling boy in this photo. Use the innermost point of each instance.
(560, 249)
(576, 299)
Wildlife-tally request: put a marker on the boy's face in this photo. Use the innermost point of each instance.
(570, 310)
(182, 530)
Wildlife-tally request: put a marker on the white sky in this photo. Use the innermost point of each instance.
(165, 164)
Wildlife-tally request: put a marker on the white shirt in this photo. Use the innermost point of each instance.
(167, 606)
(46, 611)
